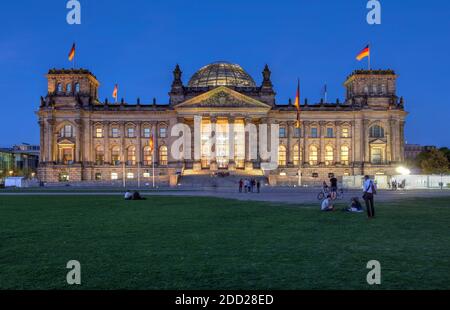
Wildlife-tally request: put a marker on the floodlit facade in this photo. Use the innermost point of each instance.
(85, 140)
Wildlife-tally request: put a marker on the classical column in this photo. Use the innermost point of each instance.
(248, 163)
(78, 139)
(42, 154)
(305, 129)
(106, 148)
(402, 141)
(231, 143)
(155, 134)
(213, 163)
(358, 141)
(290, 142)
(392, 140)
(322, 141)
(51, 153)
(338, 142)
(139, 143)
(366, 140)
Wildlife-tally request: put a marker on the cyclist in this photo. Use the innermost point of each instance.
(333, 182)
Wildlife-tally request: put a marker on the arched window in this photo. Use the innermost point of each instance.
(282, 155)
(329, 155)
(66, 132)
(148, 156)
(77, 88)
(163, 157)
(115, 155)
(313, 155)
(345, 132)
(131, 156)
(297, 155)
(376, 131)
(345, 155)
(59, 88)
(69, 88)
(99, 155)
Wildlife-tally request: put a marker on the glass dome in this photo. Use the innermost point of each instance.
(221, 74)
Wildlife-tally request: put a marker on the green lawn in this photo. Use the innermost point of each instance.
(205, 243)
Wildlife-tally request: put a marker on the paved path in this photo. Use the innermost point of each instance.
(284, 195)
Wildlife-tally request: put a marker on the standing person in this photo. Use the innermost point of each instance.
(258, 186)
(333, 185)
(253, 184)
(369, 192)
(241, 184)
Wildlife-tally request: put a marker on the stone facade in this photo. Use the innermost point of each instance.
(85, 140)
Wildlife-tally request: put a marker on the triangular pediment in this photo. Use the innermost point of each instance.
(377, 141)
(223, 97)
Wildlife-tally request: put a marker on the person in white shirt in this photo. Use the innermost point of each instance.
(369, 190)
(327, 204)
(128, 195)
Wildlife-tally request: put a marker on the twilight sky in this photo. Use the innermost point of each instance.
(137, 44)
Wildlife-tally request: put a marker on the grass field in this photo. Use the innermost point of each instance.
(205, 243)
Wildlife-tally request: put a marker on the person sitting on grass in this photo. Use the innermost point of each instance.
(327, 204)
(137, 196)
(128, 195)
(355, 206)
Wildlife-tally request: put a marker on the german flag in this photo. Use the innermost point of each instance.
(297, 104)
(115, 91)
(151, 144)
(72, 53)
(364, 53)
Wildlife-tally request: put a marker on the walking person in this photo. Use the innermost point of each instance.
(241, 184)
(369, 191)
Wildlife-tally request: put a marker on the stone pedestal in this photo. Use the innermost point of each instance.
(173, 180)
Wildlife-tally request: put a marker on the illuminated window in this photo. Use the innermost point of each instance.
(59, 88)
(345, 132)
(163, 156)
(67, 156)
(99, 155)
(146, 175)
(114, 176)
(148, 156)
(376, 155)
(98, 176)
(115, 155)
(376, 132)
(313, 155)
(281, 155)
(239, 144)
(130, 175)
(329, 155)
(297, 155)
(345, 155)
(77, 87)
(69, 88)
(131, 156)
(99, 132)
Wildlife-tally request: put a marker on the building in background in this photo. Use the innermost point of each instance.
(20, 160)
(413, 150)
(84, 139)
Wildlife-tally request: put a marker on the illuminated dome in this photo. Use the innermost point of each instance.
(221, 74)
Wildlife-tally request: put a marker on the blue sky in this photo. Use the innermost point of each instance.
(137, 44)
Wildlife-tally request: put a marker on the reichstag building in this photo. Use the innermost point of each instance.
(86, 140)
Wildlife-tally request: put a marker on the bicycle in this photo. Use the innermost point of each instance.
(325, 192)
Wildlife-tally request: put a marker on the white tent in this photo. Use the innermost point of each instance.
(15, 182)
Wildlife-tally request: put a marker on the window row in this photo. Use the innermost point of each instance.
(131, 156)
(130, 132)
(313, 158)
(314, 132)
(68, 88)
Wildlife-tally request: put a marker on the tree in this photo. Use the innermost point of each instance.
(446, 152)
(434, 162)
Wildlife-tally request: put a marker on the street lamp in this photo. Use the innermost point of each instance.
(403, 171)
